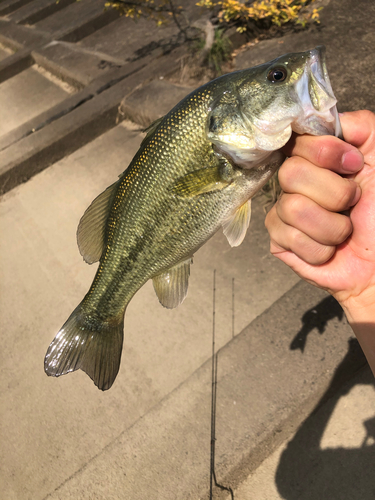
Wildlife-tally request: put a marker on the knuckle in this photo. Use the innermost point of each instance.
(308, 249)
(321, 153)
(345, 195)
(294, 206)
(286, 172)
(270, 219)
(344, 230)
(297, 239)
(290, 172)
(275, 248)
(322, 254)
(326, 150)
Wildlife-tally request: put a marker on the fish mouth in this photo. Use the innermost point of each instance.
(314, 91)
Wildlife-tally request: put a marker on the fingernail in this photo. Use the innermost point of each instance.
(352, 161)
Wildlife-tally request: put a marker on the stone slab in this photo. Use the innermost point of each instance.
(90, 24)
(12, 63)
(152, 101)
(15, 63)
(4, 54)
(78, 68)
(79, 65)
(126, 40)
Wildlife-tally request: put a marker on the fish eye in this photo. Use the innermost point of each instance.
(277, 75)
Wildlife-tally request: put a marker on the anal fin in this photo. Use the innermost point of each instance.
(172, 285)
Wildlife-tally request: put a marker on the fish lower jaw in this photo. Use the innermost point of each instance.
(317, 122)
(248, 158)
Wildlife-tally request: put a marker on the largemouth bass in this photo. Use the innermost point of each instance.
(195, 172)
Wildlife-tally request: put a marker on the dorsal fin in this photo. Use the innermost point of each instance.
(235, 226)
(150, 130)
(172, 285)
(91, 228)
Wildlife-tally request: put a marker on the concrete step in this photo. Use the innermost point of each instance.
(8, 6)
(44, 130)
(25, 96)
(72, 16)
(37, 10)
(65, 127)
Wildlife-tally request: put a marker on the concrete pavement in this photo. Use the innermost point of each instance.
(330, 456)
(292, 373)
(45, 277)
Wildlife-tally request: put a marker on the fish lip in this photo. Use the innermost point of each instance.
(338, 129)
(318, 58)
(317, 99)
(319, 69)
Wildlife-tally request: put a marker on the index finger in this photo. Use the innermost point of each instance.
(326, 152)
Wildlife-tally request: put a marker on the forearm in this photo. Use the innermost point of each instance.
(361, 317)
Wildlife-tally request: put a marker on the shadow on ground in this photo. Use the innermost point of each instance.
(305, 470)
(317, 317)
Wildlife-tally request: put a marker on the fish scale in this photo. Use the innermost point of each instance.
(195, 171)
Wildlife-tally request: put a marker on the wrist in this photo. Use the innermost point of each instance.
(360, 312)
(359, 308)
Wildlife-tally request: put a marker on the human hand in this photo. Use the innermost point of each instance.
(308, 230)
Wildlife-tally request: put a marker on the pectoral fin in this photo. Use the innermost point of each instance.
(91, 228)
(204, 180)
(235, 227)
(171, 286)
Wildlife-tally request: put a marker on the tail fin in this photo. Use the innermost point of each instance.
(89, 345)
